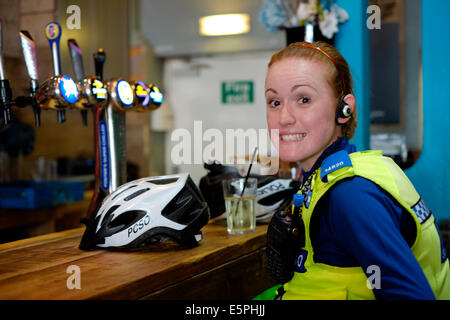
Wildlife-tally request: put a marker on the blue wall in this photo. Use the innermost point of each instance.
(353, 43)
(431, 173)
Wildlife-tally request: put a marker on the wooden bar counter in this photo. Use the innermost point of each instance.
(223, 266)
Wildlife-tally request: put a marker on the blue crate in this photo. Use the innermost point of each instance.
(39, 194)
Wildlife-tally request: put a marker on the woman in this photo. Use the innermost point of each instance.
(368, 234)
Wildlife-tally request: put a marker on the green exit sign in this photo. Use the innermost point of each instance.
(237, 92)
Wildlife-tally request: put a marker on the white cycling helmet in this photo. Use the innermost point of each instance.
(146, 211)
(271, 193)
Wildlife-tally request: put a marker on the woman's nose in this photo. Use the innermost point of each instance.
(286, 117)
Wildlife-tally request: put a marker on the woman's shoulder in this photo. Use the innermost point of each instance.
(356, 203)
(352, 186)
(356, 194)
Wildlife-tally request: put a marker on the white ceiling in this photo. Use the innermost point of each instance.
(171, 27)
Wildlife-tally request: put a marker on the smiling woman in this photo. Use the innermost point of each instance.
(358, 209)
(303, 91)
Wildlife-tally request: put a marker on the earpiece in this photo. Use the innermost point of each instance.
(343, 110)
(346, 111)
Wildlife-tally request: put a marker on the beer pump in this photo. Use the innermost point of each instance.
(93, 95)
(110, 130)
(109, 101)
(29, 54)
(60, 91)
(6, 99)
(92, 91)
(99, 192)
(112, 134)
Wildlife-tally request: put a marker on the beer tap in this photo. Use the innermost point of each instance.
(29, 54)
(112, 130)
(60, 91)
(5, 89)
(6, 100)
(101, 182)
(109, 134)
(92, 91)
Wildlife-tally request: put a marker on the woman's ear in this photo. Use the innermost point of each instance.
(350, 101)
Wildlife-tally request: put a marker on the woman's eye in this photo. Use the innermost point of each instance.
(304, 100)
(274, 103)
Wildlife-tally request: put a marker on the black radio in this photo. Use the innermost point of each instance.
(285, 239)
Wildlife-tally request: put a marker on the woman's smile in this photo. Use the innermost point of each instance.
(292, 137)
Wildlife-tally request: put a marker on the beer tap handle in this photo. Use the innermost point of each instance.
(76, 55)
(53, 34)
(77, 59)
(2, 70)
(99, 61)
(29, 54)
(5, 89)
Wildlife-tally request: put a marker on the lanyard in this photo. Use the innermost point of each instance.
(306, 190)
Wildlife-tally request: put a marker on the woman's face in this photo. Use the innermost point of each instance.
(301, 104)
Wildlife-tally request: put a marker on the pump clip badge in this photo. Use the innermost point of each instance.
(52, 30)
(68, 89)
(99, 90)
(125, 93)
(141, 93)
(156, 95)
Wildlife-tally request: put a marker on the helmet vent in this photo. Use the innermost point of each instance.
(262, 181)
(127, 219)
(107, 215)
(133, 186)
(274, 198)
(163, 181)
(135, 194)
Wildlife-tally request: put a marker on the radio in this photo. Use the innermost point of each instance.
(285, 240)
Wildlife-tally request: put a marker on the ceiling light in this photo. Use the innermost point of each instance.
(224, 24)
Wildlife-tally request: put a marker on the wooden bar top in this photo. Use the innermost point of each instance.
(36, 268)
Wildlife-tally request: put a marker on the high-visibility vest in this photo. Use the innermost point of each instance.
(322, 281)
